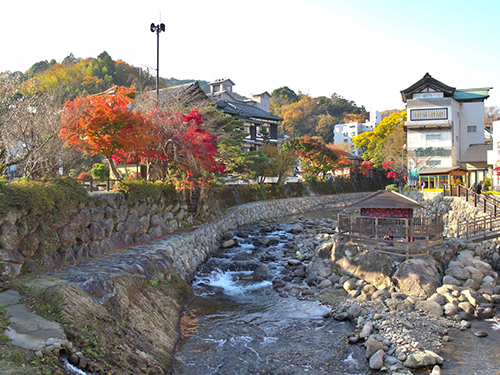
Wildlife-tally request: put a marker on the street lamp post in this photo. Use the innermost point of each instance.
(158, 29)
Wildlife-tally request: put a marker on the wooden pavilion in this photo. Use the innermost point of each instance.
(386, 220)
(437, 178)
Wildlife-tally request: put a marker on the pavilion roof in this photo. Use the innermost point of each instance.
(386, 199)
(451, 171)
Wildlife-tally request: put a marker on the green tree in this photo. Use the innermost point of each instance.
(282, 96)
(316, 158)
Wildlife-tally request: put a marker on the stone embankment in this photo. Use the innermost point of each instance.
(32, 245)
(402, 309)
(137, 294)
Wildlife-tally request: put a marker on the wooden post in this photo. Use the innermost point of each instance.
(407, 239)
(108, 184)
(91, 184)
(376, 232)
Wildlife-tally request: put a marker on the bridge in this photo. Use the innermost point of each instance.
(479, 228)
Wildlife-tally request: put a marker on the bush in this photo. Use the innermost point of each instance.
(487, 184)
(140, 190)
(392, 187)
(84, 176)
(100, 171)
(42, 197)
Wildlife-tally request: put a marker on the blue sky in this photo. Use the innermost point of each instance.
(367, 51)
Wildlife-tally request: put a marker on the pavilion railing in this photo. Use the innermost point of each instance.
(411, 237)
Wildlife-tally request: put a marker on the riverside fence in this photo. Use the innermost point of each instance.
(408, 237)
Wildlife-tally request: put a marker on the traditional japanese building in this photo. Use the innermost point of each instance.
(443, 123)
(259, 123)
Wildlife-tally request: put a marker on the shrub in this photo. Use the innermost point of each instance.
(100, 171)
(392, 187)
(487, 184)
(84, 176)
(139, 190)
(42, 197)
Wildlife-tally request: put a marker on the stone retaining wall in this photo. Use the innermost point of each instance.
(455, 210)
(189, 251)
(108, 224)
(30, 245)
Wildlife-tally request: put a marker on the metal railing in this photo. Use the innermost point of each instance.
(409, 237)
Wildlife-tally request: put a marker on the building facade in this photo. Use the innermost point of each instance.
(442, 124)
(344, 132)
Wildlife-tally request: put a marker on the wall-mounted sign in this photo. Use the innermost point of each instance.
(430, 151)
(429, 114)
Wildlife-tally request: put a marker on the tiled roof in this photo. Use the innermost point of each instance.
(245, 110)
(427, 80)
(386, 199)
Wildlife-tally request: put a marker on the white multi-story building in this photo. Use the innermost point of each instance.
(344, 132)
(442, 124)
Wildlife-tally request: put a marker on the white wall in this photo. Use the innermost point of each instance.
(471, 114)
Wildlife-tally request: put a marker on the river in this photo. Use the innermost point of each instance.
(237, 325)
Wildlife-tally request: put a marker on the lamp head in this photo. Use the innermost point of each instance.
(153, 28)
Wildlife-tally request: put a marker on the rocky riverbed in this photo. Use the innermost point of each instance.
(403, 310)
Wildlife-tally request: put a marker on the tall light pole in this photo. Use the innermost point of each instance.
(158, 29)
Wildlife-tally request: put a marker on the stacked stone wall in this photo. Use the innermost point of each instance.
(32, 245)
(108, 224)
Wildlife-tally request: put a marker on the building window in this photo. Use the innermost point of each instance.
(434, 163)
(471, 129)
(431, 137)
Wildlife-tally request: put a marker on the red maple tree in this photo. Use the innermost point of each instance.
(104, 123)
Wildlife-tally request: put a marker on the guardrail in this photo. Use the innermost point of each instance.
(411, 237)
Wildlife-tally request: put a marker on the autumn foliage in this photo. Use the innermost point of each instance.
(182, 151)
(103, 123)
(317, 157)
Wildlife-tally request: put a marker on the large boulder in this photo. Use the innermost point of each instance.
(431, 306)
(371, 266)
(418, 277)
(422, 359)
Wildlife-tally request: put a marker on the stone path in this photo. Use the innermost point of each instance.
(26, 330)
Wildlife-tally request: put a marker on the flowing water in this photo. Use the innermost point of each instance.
(467, 354)
(236, 325)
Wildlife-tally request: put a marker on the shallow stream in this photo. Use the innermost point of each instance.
(236, 325)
